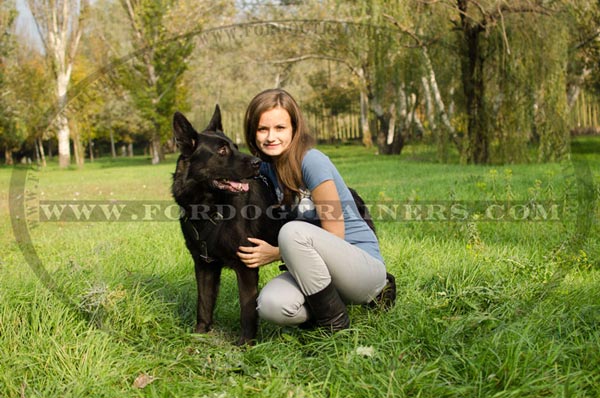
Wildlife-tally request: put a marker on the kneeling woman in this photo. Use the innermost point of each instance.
(335, 262)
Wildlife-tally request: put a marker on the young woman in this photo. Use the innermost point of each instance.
(332, 257)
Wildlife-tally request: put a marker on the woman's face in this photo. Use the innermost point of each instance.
(274, 132)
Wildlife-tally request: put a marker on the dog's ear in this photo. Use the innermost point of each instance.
(186, 136)
(215, 121)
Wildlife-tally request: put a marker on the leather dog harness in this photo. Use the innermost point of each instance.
(200, 237)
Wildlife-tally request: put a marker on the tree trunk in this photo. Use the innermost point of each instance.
(38, 157)
(91, 150)
(477, 148)
(391, 126)
(113, 150)
(389, 140)
(429, 83)
(156, 150)
(396, 131)
(429, 107)
(367, 137)
(64, 141)
(63, 134)
(383, 125)
(574, 87)
(78, 150)
(8, 157)
(60, 31)
(413, 118)
(446, 129)
(40, 146)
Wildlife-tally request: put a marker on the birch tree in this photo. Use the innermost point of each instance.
(60, 25)
(433, 97)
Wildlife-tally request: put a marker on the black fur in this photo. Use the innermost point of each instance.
(221, 212)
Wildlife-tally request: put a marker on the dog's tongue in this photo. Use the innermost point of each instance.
(233, 186)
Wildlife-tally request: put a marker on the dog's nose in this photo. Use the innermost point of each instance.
(255, 163)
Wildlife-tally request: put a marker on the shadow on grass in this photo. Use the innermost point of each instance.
(99, 163)
(175, 300)
(104, 163)
(586, 145)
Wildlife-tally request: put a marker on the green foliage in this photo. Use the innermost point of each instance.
(154, 78)
(189, 55)
(526, 91)
(583, 20)
(9, 138)
(26, 94)
(331, 95)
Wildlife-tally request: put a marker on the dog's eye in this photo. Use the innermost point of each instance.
(223, 151)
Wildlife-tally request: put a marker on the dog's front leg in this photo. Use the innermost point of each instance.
(208, 277)
(247, 279)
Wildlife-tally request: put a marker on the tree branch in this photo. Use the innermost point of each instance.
(37, 19)
(588, 40)
(77, 30)
(146, 55)
(316, 56)
(518, 9)
(405, 30)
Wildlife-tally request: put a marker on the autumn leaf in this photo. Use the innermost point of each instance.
(143, 380)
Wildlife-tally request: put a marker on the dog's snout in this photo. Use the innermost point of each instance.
(255, 163)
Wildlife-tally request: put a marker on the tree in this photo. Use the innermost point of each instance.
(60, 25)
(159, 33)
(474, 22)
(583, 21)
(438, 117)
(30, 98)
(106, 111)
(384, 72)
(9, 139)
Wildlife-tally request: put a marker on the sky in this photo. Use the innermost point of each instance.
(25, 24)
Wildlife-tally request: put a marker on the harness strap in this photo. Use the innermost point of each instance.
(200, 237)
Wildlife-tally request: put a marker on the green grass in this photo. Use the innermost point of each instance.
(484, 309)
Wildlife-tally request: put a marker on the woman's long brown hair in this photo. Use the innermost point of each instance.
(289, 163)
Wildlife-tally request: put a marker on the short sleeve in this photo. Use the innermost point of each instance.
(316, 169)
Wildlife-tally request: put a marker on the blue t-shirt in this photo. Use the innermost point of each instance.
(316, 169)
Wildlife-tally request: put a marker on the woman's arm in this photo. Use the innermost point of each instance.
(329, 207)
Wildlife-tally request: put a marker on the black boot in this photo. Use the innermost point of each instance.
(386, 299)
(328, 310)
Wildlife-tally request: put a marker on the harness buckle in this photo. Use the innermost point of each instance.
(216, 218)
(204, 252)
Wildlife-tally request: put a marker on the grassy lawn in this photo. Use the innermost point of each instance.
(498, 307)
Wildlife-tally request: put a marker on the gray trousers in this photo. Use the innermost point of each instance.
(314, 259)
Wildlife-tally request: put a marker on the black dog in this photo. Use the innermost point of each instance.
(224, 202)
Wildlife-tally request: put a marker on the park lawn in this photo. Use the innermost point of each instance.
(485, 308)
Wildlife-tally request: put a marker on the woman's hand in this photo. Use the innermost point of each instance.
(261, 254)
